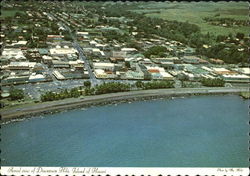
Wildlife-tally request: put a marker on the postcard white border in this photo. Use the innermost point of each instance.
(137, 171)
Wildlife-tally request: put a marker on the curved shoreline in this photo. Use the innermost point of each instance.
(74, 103)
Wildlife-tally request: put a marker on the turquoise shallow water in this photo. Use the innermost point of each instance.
(202, 131)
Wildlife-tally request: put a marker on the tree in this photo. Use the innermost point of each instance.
(87, 83)
(139, 84)
(89, 91)
(16, 94)
(155, 50)
(217, 82)
(158, 85)
(240, 35)
(127, 64)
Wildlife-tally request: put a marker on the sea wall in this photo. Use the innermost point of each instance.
(114, 98)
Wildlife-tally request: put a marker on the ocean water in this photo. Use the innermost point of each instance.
(201, 131)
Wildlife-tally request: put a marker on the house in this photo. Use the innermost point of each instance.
(55, 37)
(216, 61)
(82, 35)
(119, 54)
(129, 50)
(47, 59)
(98, 52)
(43, 51)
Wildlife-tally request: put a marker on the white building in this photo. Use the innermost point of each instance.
(62, 51)
(104, 66)
(58, 75)
(236, 78)
(21, 65)
(36, 77)
(245, 70)
(13, 53)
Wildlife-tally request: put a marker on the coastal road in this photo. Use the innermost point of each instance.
(34, 109)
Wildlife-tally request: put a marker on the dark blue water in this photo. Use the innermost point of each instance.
(202, 131)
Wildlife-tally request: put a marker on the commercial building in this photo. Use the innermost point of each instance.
(36, 77)
(134, 75)
(245, 70)
(236, 78)
(62, 51)
(21, 65)
(58, 75)
(100, 73)
(222, 71)
(13, 53)
(60, 64)
(104, 66)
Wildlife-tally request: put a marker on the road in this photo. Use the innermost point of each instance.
(77, 46)
(34, 109)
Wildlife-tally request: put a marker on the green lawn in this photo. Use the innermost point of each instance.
(195, 11)
(11, 13)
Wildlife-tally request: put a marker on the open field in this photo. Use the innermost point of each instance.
(10, 13)
(195, 11)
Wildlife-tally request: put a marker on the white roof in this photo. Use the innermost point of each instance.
(99, 71)
(102, 53)
(93, 42)
(20, 43)
(47, 57)
(166, 74)
(23, 64)
(96, 50)
(55, 51)
(206, 68)
(58, 74)
(245, 70)
(83, 33)
(38, 76)
(235, 76)
(128, 49)
(219, 69)
(76, 62)
(102, 64)
(12, 52)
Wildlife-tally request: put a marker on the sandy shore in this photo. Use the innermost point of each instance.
(54, 106)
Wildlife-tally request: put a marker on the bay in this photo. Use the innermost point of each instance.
(199, 131)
